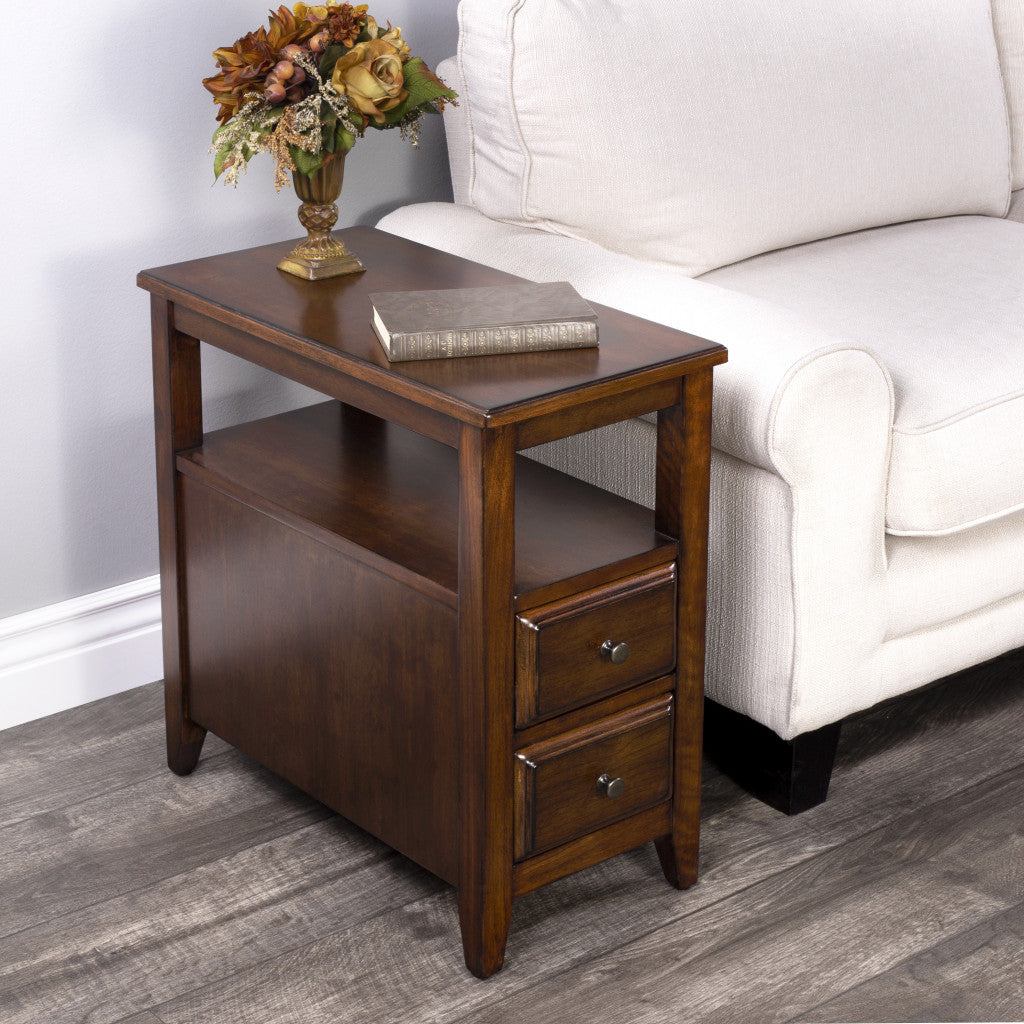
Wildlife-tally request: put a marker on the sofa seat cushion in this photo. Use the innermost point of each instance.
(941, 305)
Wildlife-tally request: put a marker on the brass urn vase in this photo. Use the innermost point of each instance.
(320, 254)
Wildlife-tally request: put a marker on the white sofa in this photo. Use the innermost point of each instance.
(827, 190)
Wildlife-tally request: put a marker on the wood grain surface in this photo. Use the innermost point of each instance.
(292, 636)
(975, 975)
(329, 325)
(142, 898)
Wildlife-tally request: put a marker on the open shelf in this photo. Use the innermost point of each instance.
(350, 479)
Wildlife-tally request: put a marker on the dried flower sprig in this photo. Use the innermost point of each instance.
(311, 83)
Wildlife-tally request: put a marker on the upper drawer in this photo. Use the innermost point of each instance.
(572, 652)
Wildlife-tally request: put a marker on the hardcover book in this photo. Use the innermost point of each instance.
(452, 322)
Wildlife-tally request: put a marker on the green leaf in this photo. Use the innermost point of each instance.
(327, 132)
(424, 89)
(343, 140)
(218, 162)
(306, 163)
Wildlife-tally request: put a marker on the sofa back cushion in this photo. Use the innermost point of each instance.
(1009, 21)
(698, 133)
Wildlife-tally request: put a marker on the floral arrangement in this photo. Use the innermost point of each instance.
(308, 85)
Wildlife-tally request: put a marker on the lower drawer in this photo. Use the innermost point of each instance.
(581, 780)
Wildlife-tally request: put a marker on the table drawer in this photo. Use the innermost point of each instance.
(581, 780)
(573, 652)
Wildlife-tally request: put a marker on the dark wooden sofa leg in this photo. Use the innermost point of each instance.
(789, 775)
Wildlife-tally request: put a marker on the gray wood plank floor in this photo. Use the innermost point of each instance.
(130, 896)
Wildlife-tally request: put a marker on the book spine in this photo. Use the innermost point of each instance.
(489, 341)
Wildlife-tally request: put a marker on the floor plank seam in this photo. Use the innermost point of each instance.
(146, 1016)
(293, 950)
(893, 969)
(107, 793)
(328, 814)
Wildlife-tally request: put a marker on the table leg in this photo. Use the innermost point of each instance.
(681, 510)
(178, 408)
(486, 658)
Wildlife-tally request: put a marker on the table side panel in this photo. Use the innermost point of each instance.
(333, 676)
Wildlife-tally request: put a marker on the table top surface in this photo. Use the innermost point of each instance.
(329, 323)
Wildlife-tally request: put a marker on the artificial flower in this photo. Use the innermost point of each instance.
(370, 76)
(308, 85)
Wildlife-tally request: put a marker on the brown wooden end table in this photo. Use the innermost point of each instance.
(495, 668)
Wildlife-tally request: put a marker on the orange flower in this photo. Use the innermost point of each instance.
(245, 66)
(346, 22)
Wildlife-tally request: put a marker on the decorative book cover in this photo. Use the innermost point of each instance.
(452, 322)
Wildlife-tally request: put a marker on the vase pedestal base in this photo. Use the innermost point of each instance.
(316, 268)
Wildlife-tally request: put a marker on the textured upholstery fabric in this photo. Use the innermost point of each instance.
(814, 612)
(1008, 16)
(986, 564)
(941, 303)
(788, 122)
(460, 143)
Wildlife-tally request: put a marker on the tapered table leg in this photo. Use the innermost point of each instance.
(681, 510)
(178, 408)
(486, 573)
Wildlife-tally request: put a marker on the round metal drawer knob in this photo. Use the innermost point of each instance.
(612, 788)
(616, 653)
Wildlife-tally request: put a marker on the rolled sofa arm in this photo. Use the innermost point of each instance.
(768, 344)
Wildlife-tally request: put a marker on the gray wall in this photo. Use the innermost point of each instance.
(108, 173)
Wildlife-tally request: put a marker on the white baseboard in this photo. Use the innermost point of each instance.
(77, 651)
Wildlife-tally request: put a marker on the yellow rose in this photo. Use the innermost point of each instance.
(394, 37)
(370, 76)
